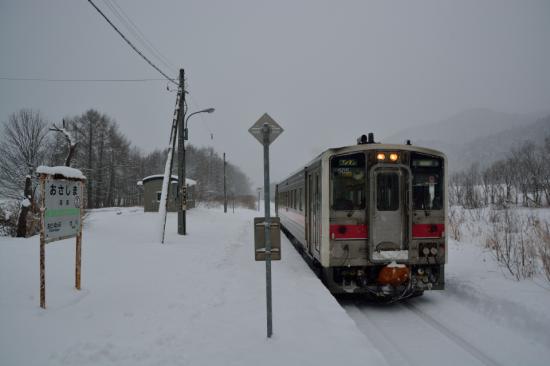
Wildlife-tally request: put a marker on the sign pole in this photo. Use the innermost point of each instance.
(77, 261)
(79, 247)
(42, 245)
(266, 131)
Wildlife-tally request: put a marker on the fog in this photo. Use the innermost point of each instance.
(327, 72)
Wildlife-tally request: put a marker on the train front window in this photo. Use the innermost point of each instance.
(427, 192)
(348, 182)
(387, 192)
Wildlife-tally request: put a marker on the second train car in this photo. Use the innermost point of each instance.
(370, 218)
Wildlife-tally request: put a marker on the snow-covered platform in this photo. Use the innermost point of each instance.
(196, 300)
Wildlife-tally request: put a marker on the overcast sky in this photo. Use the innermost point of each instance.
(326, 71)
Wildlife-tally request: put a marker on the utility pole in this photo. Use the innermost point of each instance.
(178, 115)
(224, 187)
(182, 187)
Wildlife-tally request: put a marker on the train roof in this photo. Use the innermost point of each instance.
(367, 147)
(380, 146)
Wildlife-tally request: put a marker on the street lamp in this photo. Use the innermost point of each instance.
(207, 110)
(182, 187)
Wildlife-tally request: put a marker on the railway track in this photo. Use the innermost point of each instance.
(407, 335)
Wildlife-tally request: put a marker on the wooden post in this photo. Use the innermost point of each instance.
(42, 245)
(77, 261)
(79, 245)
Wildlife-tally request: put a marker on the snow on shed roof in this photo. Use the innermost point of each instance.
(64, 171)
(189, 182)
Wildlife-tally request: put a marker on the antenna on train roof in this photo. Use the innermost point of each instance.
(366, 140)
(362, 140)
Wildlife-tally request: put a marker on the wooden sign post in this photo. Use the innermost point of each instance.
(61, 212)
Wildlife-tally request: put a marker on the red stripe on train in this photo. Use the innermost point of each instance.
(348, 231)
(428, 230)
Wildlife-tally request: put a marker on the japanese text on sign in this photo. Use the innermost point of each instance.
(62, 209)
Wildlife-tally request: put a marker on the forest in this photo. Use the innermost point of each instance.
(95, 145)
(499, 205)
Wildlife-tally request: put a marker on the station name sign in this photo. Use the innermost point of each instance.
(62, 209)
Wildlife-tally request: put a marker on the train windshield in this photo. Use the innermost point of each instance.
(348, 182)
(428, 182)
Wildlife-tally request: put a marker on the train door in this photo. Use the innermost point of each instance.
(317, 211)
(309, 206)
(389, 213)
(313, 210)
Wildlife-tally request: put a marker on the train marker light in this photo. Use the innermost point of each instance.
(393, 157)
(381, 156)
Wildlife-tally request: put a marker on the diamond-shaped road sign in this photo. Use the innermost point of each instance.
(257, 129)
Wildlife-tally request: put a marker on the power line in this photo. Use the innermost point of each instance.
(79, 80)
(140, 36)
(131, 44)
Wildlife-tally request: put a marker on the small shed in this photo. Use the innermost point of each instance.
(152, 190)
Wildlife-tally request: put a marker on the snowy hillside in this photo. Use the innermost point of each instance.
(462, 128)
(200, 300)
(477, 135)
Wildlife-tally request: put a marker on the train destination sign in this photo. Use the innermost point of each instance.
(62, 216)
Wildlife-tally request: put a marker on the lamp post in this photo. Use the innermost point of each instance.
(182, 187)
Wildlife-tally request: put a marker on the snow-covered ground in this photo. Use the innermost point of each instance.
(482, 318)
(200, 300)
(196, 300)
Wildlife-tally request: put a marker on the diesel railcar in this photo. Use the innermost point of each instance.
(370, 218)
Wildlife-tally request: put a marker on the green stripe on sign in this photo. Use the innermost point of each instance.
(63, 212)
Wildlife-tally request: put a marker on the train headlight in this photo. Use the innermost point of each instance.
(394, 157)
(426, 251)
(433, 250)
(381, 156)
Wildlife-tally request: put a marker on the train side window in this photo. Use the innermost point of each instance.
(300, 198)
(348, 182)
(387, 191)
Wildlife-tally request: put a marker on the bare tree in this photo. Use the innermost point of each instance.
(71, 144)
(22, 150)
(543, 155)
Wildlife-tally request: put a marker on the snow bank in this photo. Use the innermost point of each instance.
(65, 171)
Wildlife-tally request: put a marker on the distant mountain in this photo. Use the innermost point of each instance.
(462, 127)
(488, 149)
(478, 135)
